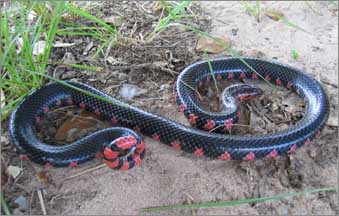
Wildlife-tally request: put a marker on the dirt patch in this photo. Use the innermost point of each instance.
(170, 177)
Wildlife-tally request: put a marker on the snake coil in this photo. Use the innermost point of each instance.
(124, 148)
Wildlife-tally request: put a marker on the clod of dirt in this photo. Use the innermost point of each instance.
(211, 46)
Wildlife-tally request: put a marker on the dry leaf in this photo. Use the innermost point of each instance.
(43, 177)
(211, 46)
(274, 15)
(19, 43)
(76, 127)
(61, 44)
(14, 171)
(2, 99)
(39, 48)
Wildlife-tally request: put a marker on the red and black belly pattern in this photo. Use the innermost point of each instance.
(122, 146)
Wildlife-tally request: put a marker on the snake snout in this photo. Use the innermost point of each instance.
(237, 93)
(242, 92)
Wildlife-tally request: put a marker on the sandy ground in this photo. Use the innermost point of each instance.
(168, 177)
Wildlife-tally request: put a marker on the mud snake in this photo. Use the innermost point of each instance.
(123, 146)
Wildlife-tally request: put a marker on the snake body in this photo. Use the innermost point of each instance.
(123, 146)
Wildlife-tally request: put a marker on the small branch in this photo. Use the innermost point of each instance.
(84, 172)
(42, 203)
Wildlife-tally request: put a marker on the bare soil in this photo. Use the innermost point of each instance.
(167, 176)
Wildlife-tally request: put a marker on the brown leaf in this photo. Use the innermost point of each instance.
(274, 15)
(77, 127)
(43, 177)
(212, 46)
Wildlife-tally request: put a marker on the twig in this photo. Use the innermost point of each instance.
(190, 200)
(328, 83)
(42, 203)
(84, 172)
(200, 97)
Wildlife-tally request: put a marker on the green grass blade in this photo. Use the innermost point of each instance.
(79, 89)
(222, 43)
(239, 202)
(4, 205)
(211, 70)
(86, 15)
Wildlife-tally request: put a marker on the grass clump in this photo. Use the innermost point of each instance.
(22, 45)
(28, 31)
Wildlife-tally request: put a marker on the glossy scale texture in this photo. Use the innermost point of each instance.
(179, 136)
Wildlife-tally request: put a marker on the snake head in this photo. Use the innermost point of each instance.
(241, 92)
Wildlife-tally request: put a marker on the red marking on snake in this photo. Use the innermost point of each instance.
(73, 164)
(140, 147)
(156, 137)
(267, 77)
(70, 101)
(228, 123)
(289, 85)
(111, 164)
(114, 120)
(297, 91)
(242, 75)
(318, 133)
(137, 159)
(24, 157)
(254, 76)
(48, 165)
(126, 142)
(37, 119)
(209, 125)
(244, 97)
(225, 156)
(230, 76)
(137, 129)
(46, 109)
(293, 148)
(82, 105)
(278, 81)
(176, 145)
(193, 118)
(97, 112)
(250, 156)
(272, 154)
(199, 152)
(110, 154)
(182, 108)
(98, 155)
(125, 166)
(308, 141)
(239, 113)
(219, 77)
(58, 102)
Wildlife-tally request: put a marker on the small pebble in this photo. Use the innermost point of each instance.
(22, 202)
